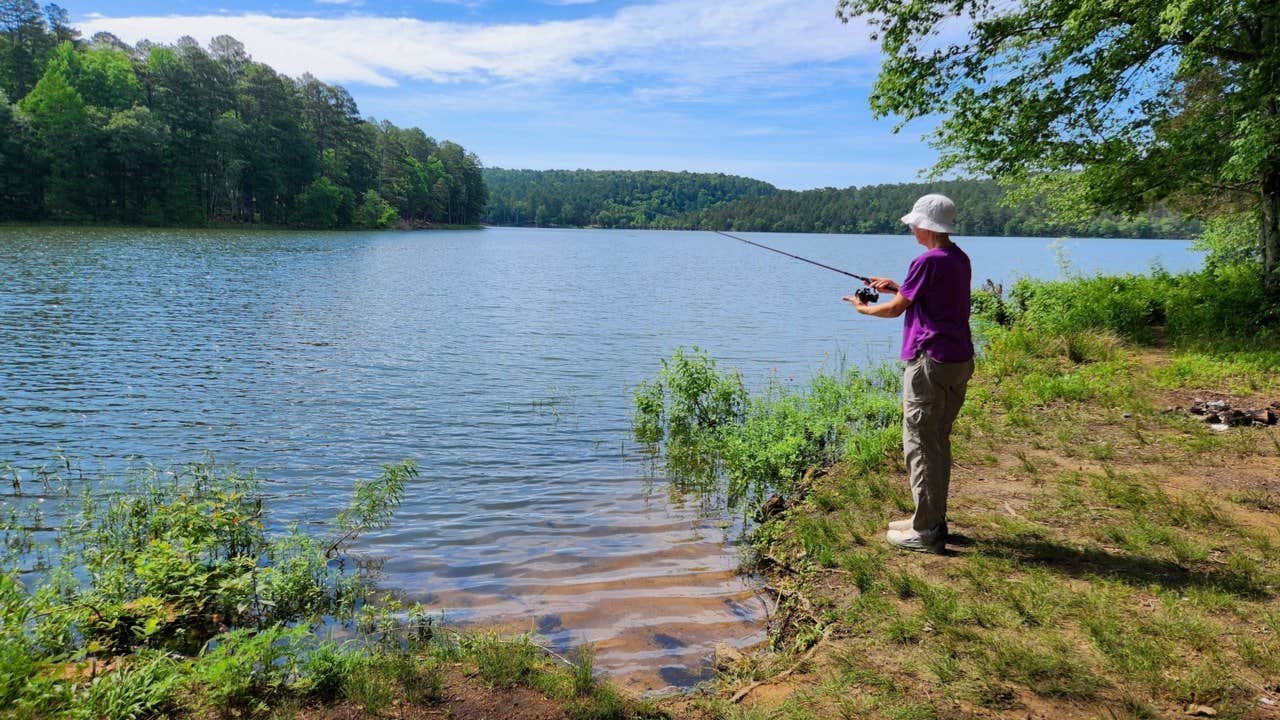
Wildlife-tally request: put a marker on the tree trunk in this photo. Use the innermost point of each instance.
(1269, 231)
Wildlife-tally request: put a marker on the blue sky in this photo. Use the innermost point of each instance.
(772, 89)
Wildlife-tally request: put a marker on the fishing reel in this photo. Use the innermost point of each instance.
(867, 295)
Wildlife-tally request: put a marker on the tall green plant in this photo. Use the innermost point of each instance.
(684, 411)
(171, 560)
(709, 431)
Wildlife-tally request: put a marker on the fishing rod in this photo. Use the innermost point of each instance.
(867, 297)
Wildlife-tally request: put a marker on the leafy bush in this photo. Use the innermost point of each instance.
(145, 687)
(246, 669)
(1126, 304)
(326, 668)
(685, 409)
(711, 430)
(325, 205)
(1223, 303)
(1230, 241)
(178, 564)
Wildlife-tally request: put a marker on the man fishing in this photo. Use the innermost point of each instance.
(939, 353)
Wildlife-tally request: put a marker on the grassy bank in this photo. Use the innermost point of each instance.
(173, 594)
(1114, 556)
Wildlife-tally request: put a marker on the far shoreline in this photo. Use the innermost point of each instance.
(256, 227)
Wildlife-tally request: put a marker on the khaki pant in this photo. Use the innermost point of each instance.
(932, 393)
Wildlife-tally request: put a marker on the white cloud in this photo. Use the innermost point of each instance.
(686, 46)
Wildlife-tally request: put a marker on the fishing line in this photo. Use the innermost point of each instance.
(797, 257)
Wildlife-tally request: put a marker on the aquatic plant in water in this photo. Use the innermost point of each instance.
(712, 435)
(100, 609)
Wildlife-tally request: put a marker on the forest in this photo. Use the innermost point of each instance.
(98, 131)
(609, 198)
(703, 201)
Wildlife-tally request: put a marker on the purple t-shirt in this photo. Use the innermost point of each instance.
(937, 321)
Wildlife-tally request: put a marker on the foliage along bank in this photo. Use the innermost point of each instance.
(99, 131)
(707, 201)
(174, 594)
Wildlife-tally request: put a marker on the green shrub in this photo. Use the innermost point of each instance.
(1224, 303)
(1128, 305)
(171, 564)
(327, 667)
(374, 212)
(245, 670)
(325, 205)
(711, 430)
(684, 410)
(147, 687)
(1231, 241)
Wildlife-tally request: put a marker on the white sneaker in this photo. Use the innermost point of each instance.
(931, 541)
(906, 525)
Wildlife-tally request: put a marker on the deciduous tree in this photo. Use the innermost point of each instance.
(1116, 103)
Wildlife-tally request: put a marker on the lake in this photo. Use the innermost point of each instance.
(502, 360)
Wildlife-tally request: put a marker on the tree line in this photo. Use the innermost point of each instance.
(608, 198)
(704, 201)
(100, 131)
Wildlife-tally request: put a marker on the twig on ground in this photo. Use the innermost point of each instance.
(826, 635)
(781, 564)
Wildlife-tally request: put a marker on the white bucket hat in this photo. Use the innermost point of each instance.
(932, 212)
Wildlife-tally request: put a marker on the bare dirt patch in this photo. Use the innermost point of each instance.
(465, 697)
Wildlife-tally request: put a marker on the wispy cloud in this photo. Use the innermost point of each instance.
(770, 88)
(691, 43)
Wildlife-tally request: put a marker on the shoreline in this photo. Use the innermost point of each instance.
(18, 225)
(14, 224)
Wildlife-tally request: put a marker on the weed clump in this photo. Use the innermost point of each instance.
(708, 429)
(171, 590)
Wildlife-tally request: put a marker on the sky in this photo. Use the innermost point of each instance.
(771, 89)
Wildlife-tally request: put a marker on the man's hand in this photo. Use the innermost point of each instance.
(883, 284)
(857, 302)
(891, 309)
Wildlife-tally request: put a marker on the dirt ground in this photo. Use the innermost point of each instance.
(465, 697)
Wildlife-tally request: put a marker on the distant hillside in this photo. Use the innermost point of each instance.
(700, 201)
(609, 198)
(878, 209)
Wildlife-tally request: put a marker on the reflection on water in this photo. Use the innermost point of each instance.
(502, 360)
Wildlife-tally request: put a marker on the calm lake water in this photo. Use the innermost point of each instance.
(502, 360)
